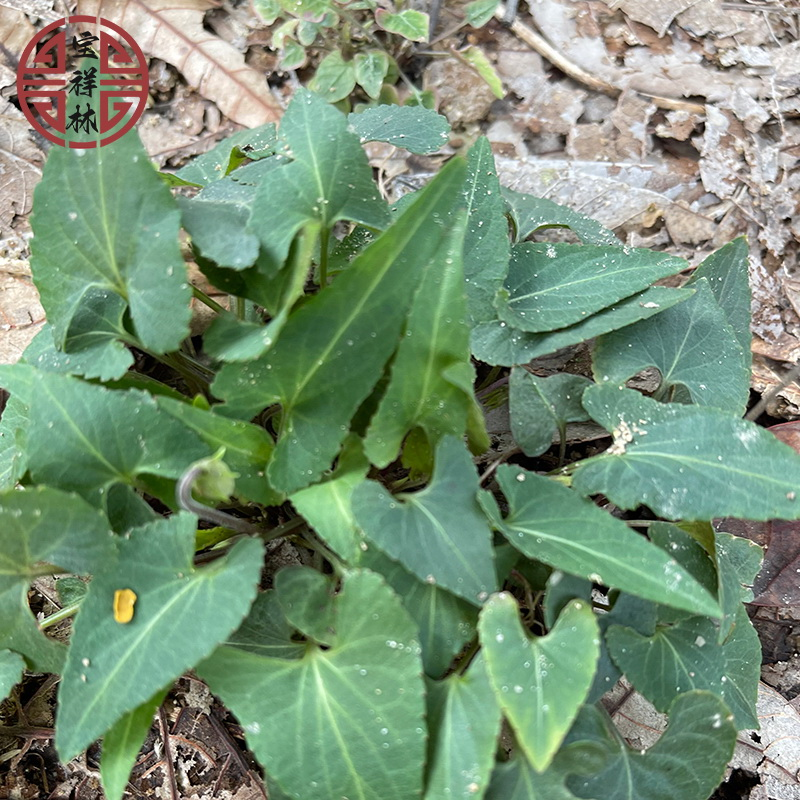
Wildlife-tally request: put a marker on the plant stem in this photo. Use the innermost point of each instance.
(490, 378)
(209, 301)
(59, 615)
(324, 238)
(240, 307)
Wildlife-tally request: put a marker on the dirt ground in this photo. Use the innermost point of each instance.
(676, 123)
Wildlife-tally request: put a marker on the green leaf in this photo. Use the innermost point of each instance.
(334, 347)
(539, 683)
(446, 622)
(371, 69)
(326, 506)
(550, 523)
(248, 448)
(231, 339)
(44, 525)
(13, 455)
(85, 438)
(632, 612)
(688, 761)
(104, 220)
(464, 720)
(350, 721)
(179, 615)
(530, 214)
(685, 656)
(516, 779)
(417, 129)
(431, 375)
(477, 59)
(689, 554)
(496, 342)
(542, 407)
(216, 219)
(335, 78)
(727, 275)
(486, 244)
(70, 590)
(410, 24)
(12, 666)
(305, 597)
(738, 563)
(327, 179)
(93, 347)
(214, 164)
(479, 12)
(717, 465)
(121, 746)
(266, 631)
(439, 533)
(268, 10)
(293, 55)
(312, 10)
(555, 285)
(691, 345)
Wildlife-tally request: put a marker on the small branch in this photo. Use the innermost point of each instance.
(577, 73)
(200, 295)
(168, 765)
(755, 412)
(59, 615)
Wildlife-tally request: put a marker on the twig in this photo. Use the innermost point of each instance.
(757, 7)
(766, 398)
(167, 760)
(545, 49)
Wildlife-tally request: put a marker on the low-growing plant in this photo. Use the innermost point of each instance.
(442, 589)
(354, 55)
(347, 31)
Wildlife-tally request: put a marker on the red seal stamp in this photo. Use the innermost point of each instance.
(106, 73)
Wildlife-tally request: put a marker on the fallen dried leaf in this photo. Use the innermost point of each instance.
(773, 752)
(173, 31)
(20, 166)
(21, 314)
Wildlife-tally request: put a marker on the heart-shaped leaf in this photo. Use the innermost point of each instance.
(180, 613)
(688, 761)
(497, 342)
(350, 721)
(540, 683)
(685, 656)
(691, 345)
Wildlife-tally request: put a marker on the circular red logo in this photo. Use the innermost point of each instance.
(102, 97)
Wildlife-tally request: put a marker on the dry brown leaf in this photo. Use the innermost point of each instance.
(42, 9)
(20, 166)
(15, 31)
(658, 16)
(21, 313)
(173, 31)
(773, 752)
